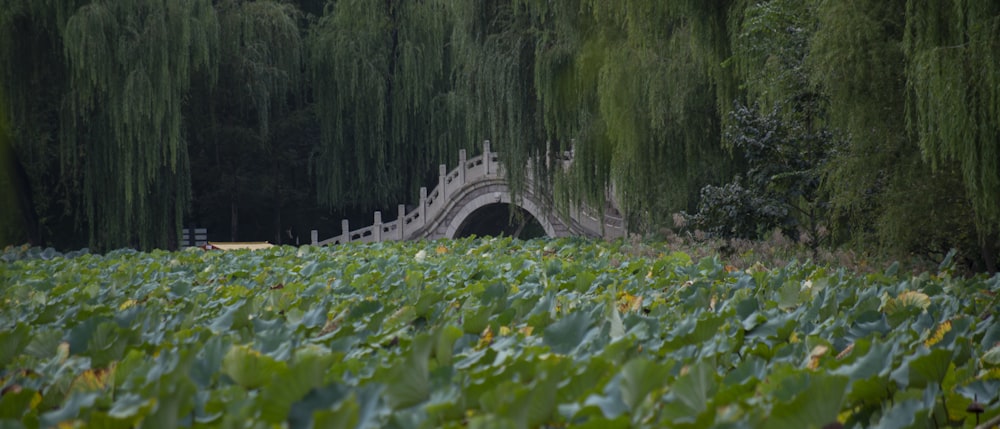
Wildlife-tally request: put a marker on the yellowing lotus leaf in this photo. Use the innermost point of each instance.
(906, 300)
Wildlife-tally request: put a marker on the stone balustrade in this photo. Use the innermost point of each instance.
(434, 206)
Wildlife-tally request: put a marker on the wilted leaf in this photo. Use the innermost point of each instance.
(938, 334)
(815, 354)
(909, 300)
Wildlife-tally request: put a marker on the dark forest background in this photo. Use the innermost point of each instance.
(866, 123)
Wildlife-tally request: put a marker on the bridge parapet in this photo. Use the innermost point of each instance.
(434, 206)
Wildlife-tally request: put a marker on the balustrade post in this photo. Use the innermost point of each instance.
(345, 233)
(486, 156)
(442, 172)
(461, 166)
(423, 205)
(377, 227)
(401, 220)
(548, 153)
(314, 235)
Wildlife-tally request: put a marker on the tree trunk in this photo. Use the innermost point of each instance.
(234, 219)
(276, 197)
(989, 252)
(520, 227)
(173, 231)
(22, 191)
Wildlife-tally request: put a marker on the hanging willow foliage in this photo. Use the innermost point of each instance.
(261, 55)
(34, 81)
(620, 81)
(381, 80)
(953, 102)
(714, 25)
(130, 64)
(495, 49)
(769, 58)
(855, 57)
(397, 83)
(878, 179)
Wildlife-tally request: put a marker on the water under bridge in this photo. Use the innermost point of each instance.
(472, 193)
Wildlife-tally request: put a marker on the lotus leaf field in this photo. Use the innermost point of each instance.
(487, 333)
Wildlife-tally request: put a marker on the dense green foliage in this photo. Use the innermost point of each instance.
(781, 187)
(382, 75)
(487, 333)
(132, 118)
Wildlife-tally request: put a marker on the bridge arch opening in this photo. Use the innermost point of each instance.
(500, 219)
(494, 198)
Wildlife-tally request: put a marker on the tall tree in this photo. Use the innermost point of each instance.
(953, 100)
(623, 82)
(879, 180)
(34, 79)
(130, 66)
(381, 80)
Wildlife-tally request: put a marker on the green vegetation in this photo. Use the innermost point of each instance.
(131, 119)
(488, 333)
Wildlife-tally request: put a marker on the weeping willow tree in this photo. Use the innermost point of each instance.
(261, 52)
(879, 182)
(621, 82)
(33, 78)
(856, 57)
(715, 27)
(402, 85)
(495, 47)
(381, 73)
(953, 100)
(130, 64)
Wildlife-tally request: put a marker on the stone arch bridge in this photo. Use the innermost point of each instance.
(456, 201)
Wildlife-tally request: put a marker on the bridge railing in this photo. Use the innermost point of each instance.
(432, 203)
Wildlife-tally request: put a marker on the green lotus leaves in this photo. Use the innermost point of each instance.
(923, 368)
(690, 396)
(992, 357)
(16, 403)
(813, 407)
(487, 333)
(12, 342)
(249, 368)
(566, 334)
(408, 381)
(641, 377)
